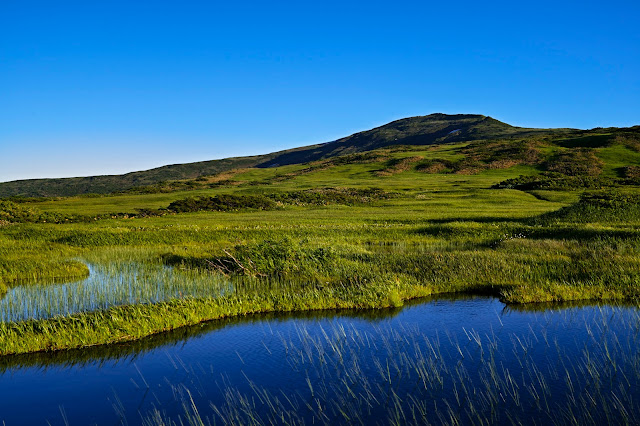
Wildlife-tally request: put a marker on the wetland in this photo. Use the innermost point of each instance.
(486, 282)
(444, 360)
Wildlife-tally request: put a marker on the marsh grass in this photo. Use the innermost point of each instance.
(406, 375)
(323, 261)
(286, 274)
(132, 322)
(113, 284)
(27, 260)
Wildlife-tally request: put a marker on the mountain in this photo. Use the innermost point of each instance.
(422, 130)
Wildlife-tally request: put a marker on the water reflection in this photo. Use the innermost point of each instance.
(129, 351)
(571, 304)
(108, 285)
(460, 359)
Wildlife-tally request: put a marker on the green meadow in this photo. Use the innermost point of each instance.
(537, 219)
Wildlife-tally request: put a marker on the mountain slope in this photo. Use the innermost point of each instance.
(422, 130)
(112, 183)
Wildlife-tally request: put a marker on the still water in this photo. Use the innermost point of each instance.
(461, 360)
(113, 284)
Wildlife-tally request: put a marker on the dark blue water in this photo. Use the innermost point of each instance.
(465, 360)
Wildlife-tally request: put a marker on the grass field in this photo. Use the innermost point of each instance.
(421, 232)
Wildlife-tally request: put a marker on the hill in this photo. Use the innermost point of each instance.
(106, 184)
(423, 130)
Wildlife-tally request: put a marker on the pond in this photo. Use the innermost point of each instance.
(464, 360)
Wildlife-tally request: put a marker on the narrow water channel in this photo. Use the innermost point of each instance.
(446, 360)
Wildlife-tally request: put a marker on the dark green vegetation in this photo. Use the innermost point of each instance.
(535, 216)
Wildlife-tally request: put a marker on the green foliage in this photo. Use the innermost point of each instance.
(502, 154)
(427, 130)
(319, 197)
(326, 196)
(487, 155)
(398, 165)
(632, 173)
(22, 200)
(591, 141)
(222, 203)
(603, 207)
(558, 182)
(609, 200)
(437, 166)
(577, 162)
(366, 229)
(12, 212)
(19, 213)
(630, 139)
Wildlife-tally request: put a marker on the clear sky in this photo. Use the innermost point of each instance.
(106, 87)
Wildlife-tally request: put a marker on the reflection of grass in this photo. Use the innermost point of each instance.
(402, 375)
(131, 322)
(111, 284)
(131, 350)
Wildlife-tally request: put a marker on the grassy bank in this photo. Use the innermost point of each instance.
(126, 323)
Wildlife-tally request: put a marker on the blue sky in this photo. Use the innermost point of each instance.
(109, 87)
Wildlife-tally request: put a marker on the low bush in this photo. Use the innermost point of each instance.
(576, 162)
(222, 202)
(324, 196)
(603, 207)
(557, 181)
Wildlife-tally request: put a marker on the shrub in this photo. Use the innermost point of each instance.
(557, 181)
(603, 207)
(576, 162)
(435, 166)
(222, 202)
(324, 196)
(631, 172)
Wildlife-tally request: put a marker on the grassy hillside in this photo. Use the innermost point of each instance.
(430, 129)
(566, 163)
(424, 130)
(113, 183)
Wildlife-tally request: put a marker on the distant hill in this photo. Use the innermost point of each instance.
(112, 183)
(422, 130)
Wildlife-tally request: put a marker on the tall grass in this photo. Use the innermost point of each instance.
(407, 375)
(113, 284)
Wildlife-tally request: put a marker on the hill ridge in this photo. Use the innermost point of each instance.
(418, 130)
